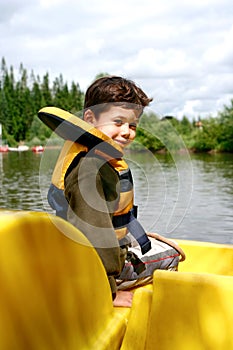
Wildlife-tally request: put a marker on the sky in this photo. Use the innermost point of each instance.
(179, 52)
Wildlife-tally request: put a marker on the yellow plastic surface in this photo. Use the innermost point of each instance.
(136, 332)
(190, 311)
(204, 257)
(54, 293)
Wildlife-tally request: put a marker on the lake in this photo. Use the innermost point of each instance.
(187, 196)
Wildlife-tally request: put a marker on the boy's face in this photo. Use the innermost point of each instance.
(117, 123)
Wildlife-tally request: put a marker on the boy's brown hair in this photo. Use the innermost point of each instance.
(115, 90)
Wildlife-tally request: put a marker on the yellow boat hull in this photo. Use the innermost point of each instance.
(203, 257)
(54, 294)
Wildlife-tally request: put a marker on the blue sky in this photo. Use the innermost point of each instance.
(180, 52)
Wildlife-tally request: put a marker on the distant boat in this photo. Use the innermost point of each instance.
(38, 149)
(4, 148)
(21, 148)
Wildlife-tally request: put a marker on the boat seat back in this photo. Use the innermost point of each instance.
(54, 292)
(191, 311)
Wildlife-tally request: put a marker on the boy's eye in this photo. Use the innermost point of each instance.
(118, 122)
(133, 126)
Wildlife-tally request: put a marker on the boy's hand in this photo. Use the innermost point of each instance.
(169, 242)
(123, 299)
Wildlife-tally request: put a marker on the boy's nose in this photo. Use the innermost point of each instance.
(125, 130)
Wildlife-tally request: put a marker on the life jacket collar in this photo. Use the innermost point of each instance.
(70, 127)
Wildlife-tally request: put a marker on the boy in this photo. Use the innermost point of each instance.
(98, 188)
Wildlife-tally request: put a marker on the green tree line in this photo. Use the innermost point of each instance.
(23, 96)
(202, 135)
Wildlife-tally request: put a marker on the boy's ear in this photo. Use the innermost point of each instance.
(89, 117)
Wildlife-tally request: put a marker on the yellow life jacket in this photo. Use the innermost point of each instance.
(80, 138)
(68, 153)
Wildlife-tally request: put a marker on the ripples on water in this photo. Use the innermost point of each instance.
(19, 181)
(189, 196)
(179, 196)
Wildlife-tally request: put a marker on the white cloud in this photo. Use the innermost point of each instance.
(222, 52)
(180, 52)
(158, 63)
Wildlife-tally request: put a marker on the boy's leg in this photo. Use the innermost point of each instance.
(138, 269)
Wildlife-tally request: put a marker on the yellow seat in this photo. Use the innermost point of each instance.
(191, 311)
(188, 311)
(54, 293)
(136, 331)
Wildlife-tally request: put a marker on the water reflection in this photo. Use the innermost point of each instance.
(165, 197)
(180, 196)
(20, 181)
(186, 197)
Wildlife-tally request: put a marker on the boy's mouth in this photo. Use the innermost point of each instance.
(122, 142)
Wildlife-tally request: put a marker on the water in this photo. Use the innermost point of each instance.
(186, 196)
(180, 196)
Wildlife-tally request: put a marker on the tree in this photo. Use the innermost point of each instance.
(76, 98)
(225, 135)
(7, 97)
(46, 91)
(205, 139)
(147, 135)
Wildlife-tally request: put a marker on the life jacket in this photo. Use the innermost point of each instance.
(124, 217)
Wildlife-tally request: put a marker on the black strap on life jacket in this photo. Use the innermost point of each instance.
(135, 228)
(58, 201)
